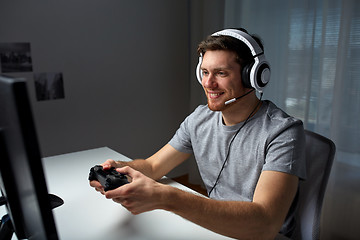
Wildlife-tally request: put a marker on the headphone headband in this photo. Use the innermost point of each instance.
(256, 75)
(244, 37)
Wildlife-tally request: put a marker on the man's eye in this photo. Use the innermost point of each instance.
(204, 73)
(222, 74)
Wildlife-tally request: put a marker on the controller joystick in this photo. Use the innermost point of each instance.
(109, 179)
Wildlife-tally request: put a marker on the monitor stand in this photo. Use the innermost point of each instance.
(6, 227)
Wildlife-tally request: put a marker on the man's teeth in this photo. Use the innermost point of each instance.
(215, 94)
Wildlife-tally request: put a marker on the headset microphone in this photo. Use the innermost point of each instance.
(237, 98)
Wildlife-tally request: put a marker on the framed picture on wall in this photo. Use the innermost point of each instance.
(15, 57)
(49, 86)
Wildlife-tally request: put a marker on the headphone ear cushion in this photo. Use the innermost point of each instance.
(263, 75)
(198, 70)
(245, 75)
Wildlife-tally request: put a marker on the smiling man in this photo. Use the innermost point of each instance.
(219, 69)
(250, 153)
(221, 82)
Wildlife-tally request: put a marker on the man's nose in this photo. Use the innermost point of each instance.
(209, 81)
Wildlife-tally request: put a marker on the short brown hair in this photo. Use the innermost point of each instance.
(227, 43)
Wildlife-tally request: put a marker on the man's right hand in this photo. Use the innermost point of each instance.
(106, 165)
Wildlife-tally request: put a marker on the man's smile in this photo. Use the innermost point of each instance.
(214, 95)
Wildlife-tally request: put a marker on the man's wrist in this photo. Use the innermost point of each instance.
(120, 164)
(167, 197)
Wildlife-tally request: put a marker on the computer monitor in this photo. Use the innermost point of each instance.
(22, 181)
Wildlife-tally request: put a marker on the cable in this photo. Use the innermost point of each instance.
(232, 140)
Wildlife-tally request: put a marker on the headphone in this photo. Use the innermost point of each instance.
(255, 74)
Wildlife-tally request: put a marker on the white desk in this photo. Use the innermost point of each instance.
(86, 214)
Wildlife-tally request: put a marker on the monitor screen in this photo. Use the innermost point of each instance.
(22, 182)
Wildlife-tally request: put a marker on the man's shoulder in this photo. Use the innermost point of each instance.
(202, 111)
(275, 120)
(202, 115)
(276, 114)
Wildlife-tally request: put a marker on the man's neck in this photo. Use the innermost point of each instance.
(241, 110)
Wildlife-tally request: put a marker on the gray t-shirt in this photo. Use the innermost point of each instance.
(270, 140)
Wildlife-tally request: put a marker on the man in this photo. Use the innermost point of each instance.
(250, 154)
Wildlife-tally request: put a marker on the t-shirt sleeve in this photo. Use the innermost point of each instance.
(286, 151)
(181, 141)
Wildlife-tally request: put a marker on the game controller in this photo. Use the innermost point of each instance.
(109, 179)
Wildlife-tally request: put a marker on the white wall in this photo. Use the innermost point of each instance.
(125, 68)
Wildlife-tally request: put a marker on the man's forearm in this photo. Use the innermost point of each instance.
(230, 218)
(159, 164)
(140, 165)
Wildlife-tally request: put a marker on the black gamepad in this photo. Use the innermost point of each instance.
(109, 179)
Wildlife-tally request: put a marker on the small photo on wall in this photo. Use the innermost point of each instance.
(15, 57)
(49, 86)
